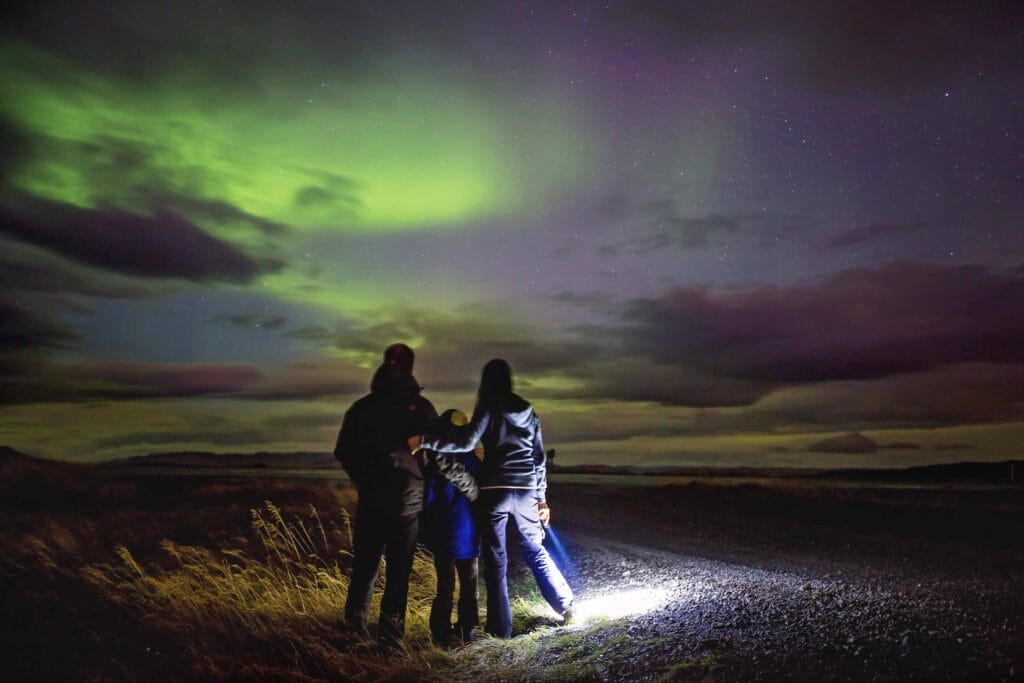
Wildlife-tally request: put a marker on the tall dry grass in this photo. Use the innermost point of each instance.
(202, 579)
(285, 602)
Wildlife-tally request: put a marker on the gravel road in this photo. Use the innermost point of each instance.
(742, 583)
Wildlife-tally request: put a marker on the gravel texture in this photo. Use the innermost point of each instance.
(753, 584)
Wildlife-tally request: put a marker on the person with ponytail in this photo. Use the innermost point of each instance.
(513, 484)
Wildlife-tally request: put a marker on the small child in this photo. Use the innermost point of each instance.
(451, 533)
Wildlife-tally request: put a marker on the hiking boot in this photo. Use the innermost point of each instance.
(446, 639)
(465, 632)
(567, 616)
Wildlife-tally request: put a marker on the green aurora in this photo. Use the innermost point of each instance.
(416, 152)
(694, 245)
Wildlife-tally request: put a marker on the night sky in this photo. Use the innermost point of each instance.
(701, 233)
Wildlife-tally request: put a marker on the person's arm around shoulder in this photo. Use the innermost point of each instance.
(456, 440)
(451, 468)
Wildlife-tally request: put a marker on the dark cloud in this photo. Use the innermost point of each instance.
(695, 232)
(869, 233)
(954, 395)
(852, 442)
(251, 320)
(22, 330)
(311, 195)
(164, 245)
(213, 210)
(51, 381)
(144, 380)
(28, 269)
(332, 194)
(128, 170)
(14, 148)
(858, 324)
(454, 348)
(688, 233)
(665, 226)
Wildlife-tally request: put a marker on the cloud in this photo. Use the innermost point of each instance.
(973, 393)
(852, 442)
(49, 381)
(215, 211)
(452, 348)
(638, 379)
(869, 233)
(857, 324)
(163, 245)
(21, 330)
(308, 379)
(666, 226)
(662, 225)
(696, 232)
(32, 270)
(251, 320)
(311, 195)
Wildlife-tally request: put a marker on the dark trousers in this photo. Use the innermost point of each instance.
(393, 537)
(441, 608)
(498, 506)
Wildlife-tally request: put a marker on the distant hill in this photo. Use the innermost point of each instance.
(979, 472)
(8, 454)
(987, 472)
(301, 460)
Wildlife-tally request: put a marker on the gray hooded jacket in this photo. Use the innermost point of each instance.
(513, 446)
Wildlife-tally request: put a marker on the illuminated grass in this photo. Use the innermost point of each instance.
(289, 601)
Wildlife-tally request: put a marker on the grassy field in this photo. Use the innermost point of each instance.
(145, 578)
(107, 575)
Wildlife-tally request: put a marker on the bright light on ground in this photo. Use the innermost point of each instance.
(621, 603)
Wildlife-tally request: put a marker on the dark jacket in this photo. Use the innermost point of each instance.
(513, 446)
(449, 526)
(372, 446)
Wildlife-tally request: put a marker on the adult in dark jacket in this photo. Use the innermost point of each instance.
(513, 482)
(372, 448)
(451, 533)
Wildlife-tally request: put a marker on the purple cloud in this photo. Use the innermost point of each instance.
(861, 323)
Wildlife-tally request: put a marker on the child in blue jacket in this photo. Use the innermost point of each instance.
(451, 533)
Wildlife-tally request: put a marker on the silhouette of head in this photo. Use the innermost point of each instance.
(401, 356)
(495, 383)
(388, 380)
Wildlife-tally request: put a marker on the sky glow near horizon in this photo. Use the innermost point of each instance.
(700, 235)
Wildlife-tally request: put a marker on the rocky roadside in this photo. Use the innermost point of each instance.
(743, 585)
(720, 621)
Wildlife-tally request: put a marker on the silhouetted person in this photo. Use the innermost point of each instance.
(401, 356)
(372, 447)
(513, 481)
(452, 534)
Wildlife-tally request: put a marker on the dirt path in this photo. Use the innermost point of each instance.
(836, 613)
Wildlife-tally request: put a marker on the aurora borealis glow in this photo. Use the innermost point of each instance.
(701, 235)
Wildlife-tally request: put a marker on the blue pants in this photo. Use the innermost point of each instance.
(521, 506)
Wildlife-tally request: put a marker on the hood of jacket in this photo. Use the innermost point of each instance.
(516, 410)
